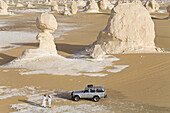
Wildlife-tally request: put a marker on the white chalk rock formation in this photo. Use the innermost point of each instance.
(74, 7)
(103, 4)
(97, 52)
(118, 3)
(48, 2)
(7, 2)
(48, 24)
(81, 3)
(19, 5)
(152, 6)
(130, 29)
(92, 7)
(54, 7)
(168, 10)
(66, 11)
(46, 54)
(29, 5)
(3, 8)
(137, 2)
(12, 2)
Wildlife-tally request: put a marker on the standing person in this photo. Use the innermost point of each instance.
(49, 101)
(44, 101)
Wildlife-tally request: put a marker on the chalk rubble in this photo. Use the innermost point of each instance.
(130, 29)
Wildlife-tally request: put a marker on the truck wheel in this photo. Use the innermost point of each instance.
(76, 98)
(96, 98)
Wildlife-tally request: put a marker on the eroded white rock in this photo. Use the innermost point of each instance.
(92, 7)
(97, 52)
(48, 24)
(103, 4)
(152, 6)
(130, 29)
(66, 11)
(74, 7)
(29, 5)
(54, 7)
(3, 8)
(19, 5)
(47, 49)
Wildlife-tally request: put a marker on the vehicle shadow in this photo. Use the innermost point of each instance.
(31, 103)
(63, 95)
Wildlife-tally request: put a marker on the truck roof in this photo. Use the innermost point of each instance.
(95, 87)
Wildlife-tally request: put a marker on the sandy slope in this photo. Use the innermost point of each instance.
(146, 82)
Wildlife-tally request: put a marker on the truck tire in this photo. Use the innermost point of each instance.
(96, 98)
(76, 98)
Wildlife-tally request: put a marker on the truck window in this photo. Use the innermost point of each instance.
(99, 90)
(92, 90)
(86, 91)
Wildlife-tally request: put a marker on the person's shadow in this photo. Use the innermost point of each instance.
(31, 103)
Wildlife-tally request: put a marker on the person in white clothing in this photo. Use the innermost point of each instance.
(44, 101)
(49, 101)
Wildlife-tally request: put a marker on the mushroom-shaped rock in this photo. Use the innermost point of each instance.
(152, 6)
(130, 29)
(92, 7)
(47, 50)
(46, 21)
(97, 52)
(48, 24)
(74, 8)
(168, 10)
